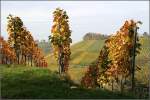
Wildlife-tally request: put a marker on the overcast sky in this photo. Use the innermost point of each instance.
(85, 16)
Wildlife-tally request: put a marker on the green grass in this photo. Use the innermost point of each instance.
(23, 82)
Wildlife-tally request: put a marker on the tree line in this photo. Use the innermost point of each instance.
(115, 63)
(94, 36)
(22, 45)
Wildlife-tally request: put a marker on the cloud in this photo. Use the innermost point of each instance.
(85, 16)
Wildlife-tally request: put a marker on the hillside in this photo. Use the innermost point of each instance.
(143, 61)
(84, 52)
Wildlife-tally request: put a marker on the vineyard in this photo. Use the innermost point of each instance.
(99, 66)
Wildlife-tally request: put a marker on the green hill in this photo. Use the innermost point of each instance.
(84, 52)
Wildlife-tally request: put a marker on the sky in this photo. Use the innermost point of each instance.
(105, 17)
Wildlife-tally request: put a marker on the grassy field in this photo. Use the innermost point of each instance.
(23, 82)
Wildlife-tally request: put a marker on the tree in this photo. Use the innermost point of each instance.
(145, 34)
(7, 53)
(134, 50)
(122, 49)
(94, 36)
(89, 80)
(14, 29)
(94, 75)
(60, 39)
(23, 42)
